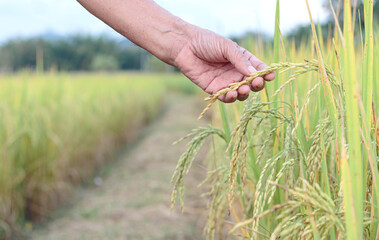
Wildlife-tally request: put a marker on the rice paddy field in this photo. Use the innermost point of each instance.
(58, 129)
(300, 159)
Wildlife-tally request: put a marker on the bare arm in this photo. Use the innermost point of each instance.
(209, 60)
(144, 23)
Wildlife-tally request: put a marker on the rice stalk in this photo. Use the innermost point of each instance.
(199, 136)
(352, 170)
(311, 137)
(264, 191)
(325, 213)
(313, 158)
(218, 205)
(307, 66)
(240, 144)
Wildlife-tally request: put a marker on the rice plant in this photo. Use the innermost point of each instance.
(57, 129)
(302, 156)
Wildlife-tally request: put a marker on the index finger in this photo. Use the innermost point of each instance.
(259, 65)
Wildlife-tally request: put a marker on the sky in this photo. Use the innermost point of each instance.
(25, 18)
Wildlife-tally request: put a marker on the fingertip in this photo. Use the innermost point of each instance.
(242, 97)
(270, 76)
(235, 54)
(231, 97)
(244, 67)
(251, 70)
(261, 66)
(243, 90)
(257, 84)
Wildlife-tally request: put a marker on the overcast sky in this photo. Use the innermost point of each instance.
(23, 18)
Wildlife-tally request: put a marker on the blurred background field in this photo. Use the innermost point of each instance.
(57, 129)
(69, 101)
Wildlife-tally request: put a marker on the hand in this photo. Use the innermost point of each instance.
(209, 60)
(213, 62)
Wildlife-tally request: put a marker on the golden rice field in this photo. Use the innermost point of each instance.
(300, 159)
(57, 129)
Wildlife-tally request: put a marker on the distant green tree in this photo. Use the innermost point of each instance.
(132, 58)
(304, 32)
(356, 5)
(104, 63)
(16, 55)
(74, 53)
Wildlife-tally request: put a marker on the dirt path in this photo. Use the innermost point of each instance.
(133, 200)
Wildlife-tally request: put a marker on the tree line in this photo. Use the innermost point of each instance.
(74, 53)
(328, 27)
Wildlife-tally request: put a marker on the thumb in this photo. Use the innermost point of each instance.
(235, 54)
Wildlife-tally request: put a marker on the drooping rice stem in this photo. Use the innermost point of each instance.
(307, 66)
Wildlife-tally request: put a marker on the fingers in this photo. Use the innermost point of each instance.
(257, 84)
(259, 65)
(243, 93)
(235, 54)
(246, 64)
(229, 97)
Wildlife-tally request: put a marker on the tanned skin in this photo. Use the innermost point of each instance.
(210, 61)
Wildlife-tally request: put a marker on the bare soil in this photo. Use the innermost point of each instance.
(132, 197)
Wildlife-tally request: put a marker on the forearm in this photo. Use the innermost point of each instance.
(144, 23)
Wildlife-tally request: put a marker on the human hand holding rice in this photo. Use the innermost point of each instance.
(210, 61)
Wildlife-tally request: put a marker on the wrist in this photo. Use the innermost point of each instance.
(182, 35)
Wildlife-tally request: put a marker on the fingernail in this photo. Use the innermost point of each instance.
(251, 70)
